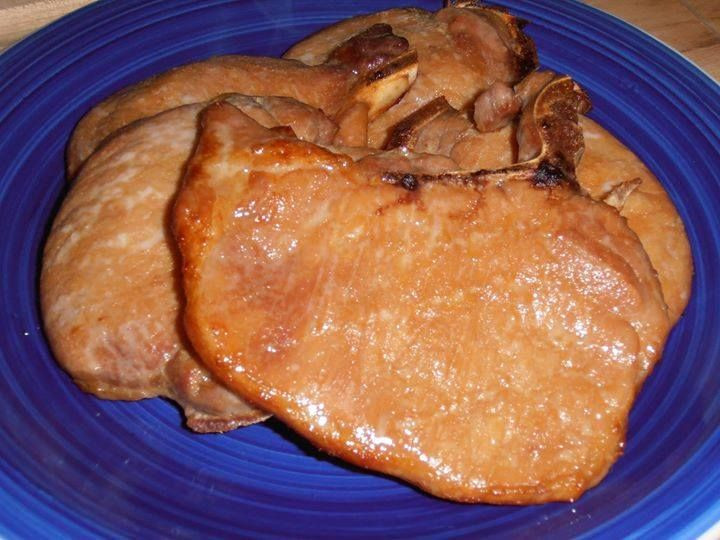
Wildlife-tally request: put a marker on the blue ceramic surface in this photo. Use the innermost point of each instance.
(75, 466)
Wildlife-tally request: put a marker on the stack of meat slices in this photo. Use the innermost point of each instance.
(401, 239)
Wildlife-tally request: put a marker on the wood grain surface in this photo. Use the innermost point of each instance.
(692, 27)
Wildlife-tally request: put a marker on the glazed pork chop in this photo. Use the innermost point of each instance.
(375, 76)
(478, 334)
(110, 293)
(200, 82)
(608, 165)
(398, 254)
(353, 72)
(454, 87)
(608, 170)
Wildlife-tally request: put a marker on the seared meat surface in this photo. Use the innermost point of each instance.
(606, 165)
(479, 338)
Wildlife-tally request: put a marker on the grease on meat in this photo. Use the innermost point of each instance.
(478, 336)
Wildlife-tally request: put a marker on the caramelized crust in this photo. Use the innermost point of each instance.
(370, 49)
(549, 136)
(481, 342)
(406, 132)
(605, 165)
(521, 56)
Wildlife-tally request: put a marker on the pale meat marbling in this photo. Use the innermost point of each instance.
(110, 293)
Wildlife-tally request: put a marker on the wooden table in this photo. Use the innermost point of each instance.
(689, 26)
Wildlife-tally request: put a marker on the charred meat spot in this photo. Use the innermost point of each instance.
(391, 66)
(382, 88)
(407, 198)
(409, 182)
(370, 49)
(548, 175)
(405, 131)
(377, 75)
(401, 136)
(412, 182)
(406, 181)
(526, 60)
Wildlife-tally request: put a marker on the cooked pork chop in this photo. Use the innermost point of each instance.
(109, 287)
(447, 86)
(608, 171)
(480, 335)
(462, 50)
(399, 270)
(606, 165)
(375, 71)
(199, 82)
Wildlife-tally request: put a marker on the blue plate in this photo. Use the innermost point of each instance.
(72, 465)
